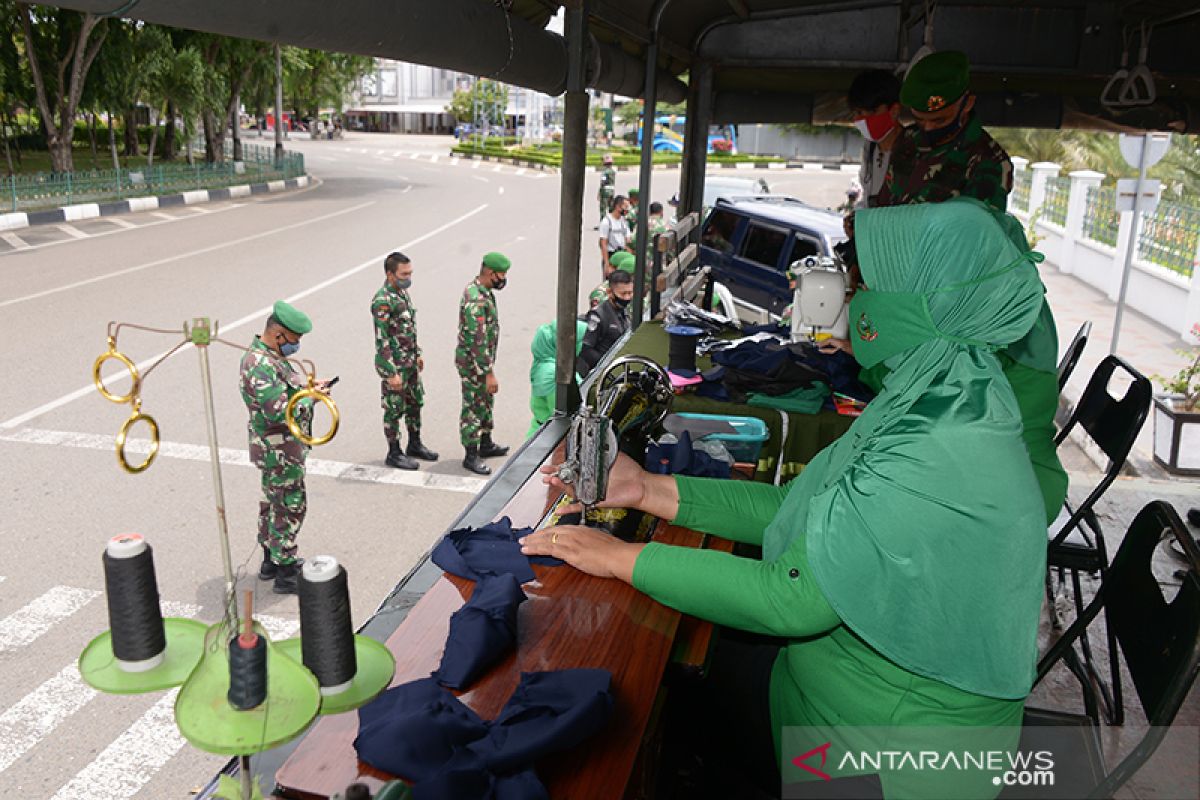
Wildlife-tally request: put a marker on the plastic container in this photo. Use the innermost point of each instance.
(745, 444)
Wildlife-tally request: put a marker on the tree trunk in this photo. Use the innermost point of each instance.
(61, 157)
(112, 141)
(92, 136)
(153, 143)
(235, 128)
(132, 149)
(169, 135)
(214, 138)
(7, 150)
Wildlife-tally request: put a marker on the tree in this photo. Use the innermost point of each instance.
(485, 103)
(315, 78)
(66, 42)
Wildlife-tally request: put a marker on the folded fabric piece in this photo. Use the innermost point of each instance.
(713, 387)
(764, 367)
(679, 379)
(494, 549)
(421, 732)
(805, 400)
(682, 459)
(753, 356)
(482, 632)
(838, 369)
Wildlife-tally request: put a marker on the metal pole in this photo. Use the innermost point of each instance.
(278, 104)
(570, 221)
(1131, 245)
(215, 456)
(695, 144)
(649, 112)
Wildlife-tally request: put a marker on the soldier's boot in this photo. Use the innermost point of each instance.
(417, 449)
(269, 568)
(396, 458)
(489, 449)
(474, 463)
(287, 579)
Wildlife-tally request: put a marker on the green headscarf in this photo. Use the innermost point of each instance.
(924, 525)
(543, 347)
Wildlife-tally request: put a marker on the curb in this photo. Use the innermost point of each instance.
(23, 219)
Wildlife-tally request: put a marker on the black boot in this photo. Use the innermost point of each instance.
(287, 579)
(474, 463)
(489, 449)
(269, 568)
(417, 449)
(396, 458)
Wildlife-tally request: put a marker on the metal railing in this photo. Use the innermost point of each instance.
(47, 190)
(1170, 237)
(1054, 207)
(1022, 180)
(1100, 220)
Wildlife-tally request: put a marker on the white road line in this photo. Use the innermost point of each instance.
(453, 162)
(16, 241)
(163, 215)
(481, 178)
(72, 231)
(278, 628)
(414, 156)
(178, 256)
(38, 713)
(433, 158)
(254, 316)
(521, 171)
(475, 165)
(501, 190)
(406, 189)
(496, 168)
(25, 625)
(120, 223)
(200, 209)
(326, 468)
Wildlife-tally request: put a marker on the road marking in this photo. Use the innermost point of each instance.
(453, 162)
(496, 168)
(278, 628)
(256, 316)
(16, 241)
(179, 256)
(200, 209)
(27, 624)
(38, 713)
(481, 178)
(406, 189)
(326, 468)
(163, 215)
(414, 156)
(521, 171)
(501, 190)
(476, 164)
(71, 230)
(120, 223)
(433, 158)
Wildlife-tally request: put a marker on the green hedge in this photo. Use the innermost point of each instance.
(551, 155)
(36, 139)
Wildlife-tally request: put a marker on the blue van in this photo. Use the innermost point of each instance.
(749, 242)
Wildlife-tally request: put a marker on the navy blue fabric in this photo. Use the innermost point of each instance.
(682, 459)
(494, 549)
(763, 357)
(481, 632)
(840, 369)
(421, 732)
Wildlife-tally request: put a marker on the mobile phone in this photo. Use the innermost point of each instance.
(329, 384)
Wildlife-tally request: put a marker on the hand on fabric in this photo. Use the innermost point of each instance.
(395, 382)
(420, 364)
(493, 385)
(626, 485)
(831, 346)
(587, 549)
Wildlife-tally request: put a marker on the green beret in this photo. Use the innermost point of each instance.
(936, 81)
(497, 262)
(295, 321)
(634, 192)
(624, 261)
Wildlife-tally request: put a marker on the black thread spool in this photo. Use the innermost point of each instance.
(682, 352)
(326, 635)
(134, 617)
(247, 671)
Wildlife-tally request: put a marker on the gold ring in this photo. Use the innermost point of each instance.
(294, 427)
(133, 374)
(554, 538)
(137, 416)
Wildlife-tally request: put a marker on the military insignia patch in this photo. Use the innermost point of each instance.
(866, 330)
(935, 102)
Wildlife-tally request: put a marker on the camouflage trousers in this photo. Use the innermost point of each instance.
(284, 502)
(475, 422)
(607, 193)
(404, 404)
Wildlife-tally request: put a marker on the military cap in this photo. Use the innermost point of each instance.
(295, 321)
(497, 262)
(634, 192)
(624, 261)
(936, 81)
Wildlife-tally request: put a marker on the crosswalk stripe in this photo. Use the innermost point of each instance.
(26, 624)
(16, 241)
(71, 230)
(120, 223)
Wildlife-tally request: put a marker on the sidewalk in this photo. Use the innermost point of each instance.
(1148, 347)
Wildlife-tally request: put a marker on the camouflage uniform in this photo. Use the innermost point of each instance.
(478, 336)
(267, 383)
(608, 188)
(972, 164)
(598, 295)
(396, 353)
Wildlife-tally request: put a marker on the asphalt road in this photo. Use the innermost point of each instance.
(323, 249)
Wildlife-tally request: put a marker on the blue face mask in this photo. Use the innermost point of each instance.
(289, 349)
(403, 284)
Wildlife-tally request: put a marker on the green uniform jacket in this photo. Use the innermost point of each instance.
(478, 331)
(267, 383)
(395, 331)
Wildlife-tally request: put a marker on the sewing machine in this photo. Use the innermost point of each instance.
(632, 398)
(819, 308)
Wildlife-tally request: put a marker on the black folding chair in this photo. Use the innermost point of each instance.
(1160, 642)
(1071, 357)
(1076, 541)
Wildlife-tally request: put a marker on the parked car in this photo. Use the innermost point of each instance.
(718, 186)
(750, 241)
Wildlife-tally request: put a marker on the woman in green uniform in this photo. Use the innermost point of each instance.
(904, 566)
(541, 373)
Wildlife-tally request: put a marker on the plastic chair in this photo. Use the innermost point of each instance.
(1076, 541)
(1160, 642)
(1071, 357)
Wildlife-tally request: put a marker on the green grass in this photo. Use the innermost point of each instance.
(35, 161)
(551, 155)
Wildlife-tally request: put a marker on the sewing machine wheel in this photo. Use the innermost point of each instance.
(651, 377)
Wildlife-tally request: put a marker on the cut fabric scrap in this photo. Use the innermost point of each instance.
(681, 458)
(421, 732)
(804, 400)
(482, 632)
(493, 549)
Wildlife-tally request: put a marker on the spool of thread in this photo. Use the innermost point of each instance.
(247, 671)
(134, 617)
(326, 635)
(682, 352)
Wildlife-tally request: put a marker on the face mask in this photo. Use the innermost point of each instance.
(403, 284)
(875, 126)
(619, 303)
(939, 135)
(500, 283)
(289, 349)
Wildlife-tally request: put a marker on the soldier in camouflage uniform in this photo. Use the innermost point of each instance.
(608, 185)
(267, 384)
(398, 362)
(946, 153)
(631, 216)
(622, 262)
(475, 359)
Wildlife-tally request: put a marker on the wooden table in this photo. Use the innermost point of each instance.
(570, 620)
